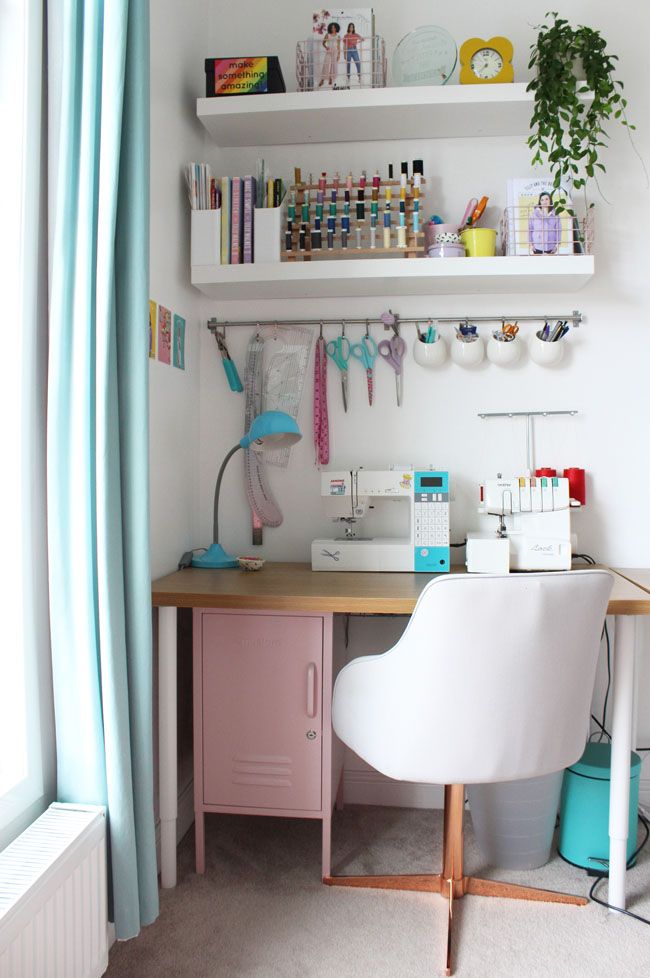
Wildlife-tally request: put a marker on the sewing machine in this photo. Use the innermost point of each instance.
(347, 499)
(534, 529)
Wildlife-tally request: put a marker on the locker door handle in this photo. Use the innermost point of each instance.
(311, 689)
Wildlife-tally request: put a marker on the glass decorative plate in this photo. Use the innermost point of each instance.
(426, 56)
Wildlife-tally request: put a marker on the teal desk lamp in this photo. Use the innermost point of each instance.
(273, 429)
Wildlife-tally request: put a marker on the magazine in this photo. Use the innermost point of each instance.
(539, 222)
(342, 47)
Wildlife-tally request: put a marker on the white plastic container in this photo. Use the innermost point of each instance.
(467, 354)
(514, 821)
(429, 354)
(205, 239)
(544, 353)
(504, 353)
(268, 242)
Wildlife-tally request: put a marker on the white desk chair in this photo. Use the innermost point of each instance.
(491, 681)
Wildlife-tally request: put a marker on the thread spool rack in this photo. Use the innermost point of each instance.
(303, 236)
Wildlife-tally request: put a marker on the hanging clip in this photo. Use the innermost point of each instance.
(234, 382)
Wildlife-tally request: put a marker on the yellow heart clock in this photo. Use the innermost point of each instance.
(486, 62)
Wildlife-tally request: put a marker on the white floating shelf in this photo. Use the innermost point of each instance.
(400, 276)
(423, 112)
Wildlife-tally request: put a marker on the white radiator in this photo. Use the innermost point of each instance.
(53, 913)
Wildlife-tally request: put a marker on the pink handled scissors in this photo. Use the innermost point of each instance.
(393, 352)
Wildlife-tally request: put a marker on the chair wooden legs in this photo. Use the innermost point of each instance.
(451, 883)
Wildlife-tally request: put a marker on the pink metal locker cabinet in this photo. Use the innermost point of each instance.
(262, 724)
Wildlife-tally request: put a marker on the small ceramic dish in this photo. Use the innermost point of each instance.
(251, 563)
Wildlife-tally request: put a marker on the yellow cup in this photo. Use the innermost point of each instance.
(479, 242)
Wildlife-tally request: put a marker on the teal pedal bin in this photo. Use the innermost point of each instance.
(584, 808)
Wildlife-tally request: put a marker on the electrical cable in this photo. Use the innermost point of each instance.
(601, 877)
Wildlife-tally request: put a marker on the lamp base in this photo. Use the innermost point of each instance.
(215, 556)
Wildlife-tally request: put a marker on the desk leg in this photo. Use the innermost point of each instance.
(619, 799)
(167, 744)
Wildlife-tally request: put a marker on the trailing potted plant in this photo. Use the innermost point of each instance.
(567, 130)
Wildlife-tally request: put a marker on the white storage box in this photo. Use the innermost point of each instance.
(205, 240)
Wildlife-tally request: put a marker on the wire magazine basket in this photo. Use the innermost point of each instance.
(527, 230)
(363, 66)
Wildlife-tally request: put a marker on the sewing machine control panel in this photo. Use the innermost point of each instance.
(431, 521)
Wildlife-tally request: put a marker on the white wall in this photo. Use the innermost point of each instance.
(604, 377)
(176, 138)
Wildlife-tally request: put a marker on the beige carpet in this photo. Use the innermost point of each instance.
(260, 911)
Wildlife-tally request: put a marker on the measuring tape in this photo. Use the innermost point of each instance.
(321, 421)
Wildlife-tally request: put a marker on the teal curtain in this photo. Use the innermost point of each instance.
(97, 440)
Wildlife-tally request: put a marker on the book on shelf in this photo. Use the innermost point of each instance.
(236, 221)
(225, 220)
(249, 192)
(539, 222)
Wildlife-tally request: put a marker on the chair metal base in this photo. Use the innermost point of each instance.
(451, 883)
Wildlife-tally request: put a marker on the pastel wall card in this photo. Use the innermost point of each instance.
(179, 342)
(152, 329)
(164, 334)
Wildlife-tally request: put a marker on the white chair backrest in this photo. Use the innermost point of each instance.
(491, 681)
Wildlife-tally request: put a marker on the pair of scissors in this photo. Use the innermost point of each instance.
(393, 352)
(338, 350)
(366, 352)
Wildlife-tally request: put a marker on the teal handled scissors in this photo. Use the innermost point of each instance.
(339, 351)
(366, 353)
(393, 352)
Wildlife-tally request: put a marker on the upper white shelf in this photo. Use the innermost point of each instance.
(394, 276)
(422, 112)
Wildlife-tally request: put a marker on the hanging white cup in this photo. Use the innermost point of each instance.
(544, 353)
(429, 354)
(503, 352)
(467, 354)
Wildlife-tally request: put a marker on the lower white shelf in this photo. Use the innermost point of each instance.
(400, 276)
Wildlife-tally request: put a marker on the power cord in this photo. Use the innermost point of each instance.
(602, 876)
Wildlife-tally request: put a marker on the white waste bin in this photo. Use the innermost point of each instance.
(514, 821)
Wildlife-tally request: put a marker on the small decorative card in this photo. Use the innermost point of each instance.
(152, 329)
(179, 342)
(164, 334)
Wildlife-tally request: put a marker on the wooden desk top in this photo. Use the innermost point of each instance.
(636, 575)
(295, 587)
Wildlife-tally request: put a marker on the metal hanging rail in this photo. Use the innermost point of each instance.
(574, 318)
(528, 415)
